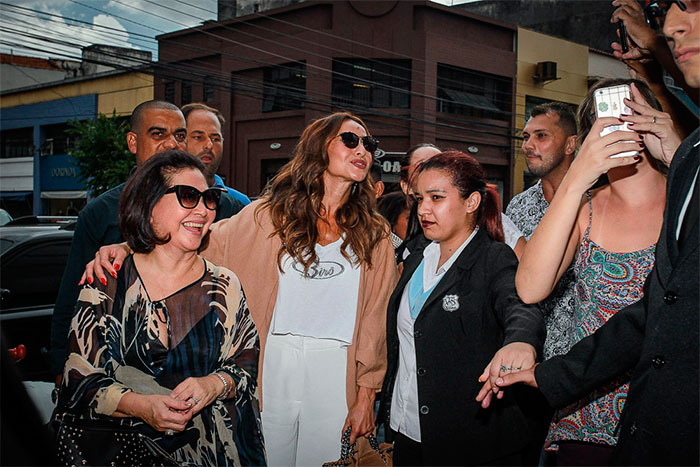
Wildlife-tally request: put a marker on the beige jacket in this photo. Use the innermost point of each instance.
(244, 244)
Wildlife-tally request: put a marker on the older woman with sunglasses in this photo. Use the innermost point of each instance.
(170, 340)
(315, 259)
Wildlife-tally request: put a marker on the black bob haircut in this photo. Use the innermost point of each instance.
(145, 188)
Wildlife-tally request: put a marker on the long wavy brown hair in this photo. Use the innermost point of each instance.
(295, 196)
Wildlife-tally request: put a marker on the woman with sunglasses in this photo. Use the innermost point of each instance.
(317, 265)
(170, 340)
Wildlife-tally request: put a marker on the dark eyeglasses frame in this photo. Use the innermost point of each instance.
(351, 140)
(655, 12)
(208, 196)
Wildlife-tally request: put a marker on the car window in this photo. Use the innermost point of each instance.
(32, 273)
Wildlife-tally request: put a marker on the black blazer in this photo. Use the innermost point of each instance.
(452, 348)
(657, 337)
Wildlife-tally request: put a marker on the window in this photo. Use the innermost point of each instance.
(169, 92)
(284, 87)
(186, 92)
(372, 83)
(269, 168)
(56, 140)
(17, 143)
(473, 93)
(208, 88)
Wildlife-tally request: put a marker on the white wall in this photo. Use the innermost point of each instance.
(17, 174)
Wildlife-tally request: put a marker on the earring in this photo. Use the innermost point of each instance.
(354, 188)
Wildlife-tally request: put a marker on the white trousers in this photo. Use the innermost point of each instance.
(304, 404)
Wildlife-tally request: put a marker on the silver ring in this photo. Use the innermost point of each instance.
(515, 368)
(505, 368)
(169, 433)
(196, 401)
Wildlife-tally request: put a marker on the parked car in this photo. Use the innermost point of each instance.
(32, 260)
(5, 217)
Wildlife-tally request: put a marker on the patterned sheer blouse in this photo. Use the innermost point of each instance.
(115, 333)
(606, 282)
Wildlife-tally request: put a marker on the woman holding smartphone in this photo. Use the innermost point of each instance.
(455, 306)
(611, 234)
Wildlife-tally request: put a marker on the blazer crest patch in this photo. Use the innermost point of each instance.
(450, 303)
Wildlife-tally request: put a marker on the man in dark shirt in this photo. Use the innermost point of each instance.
(155, 126)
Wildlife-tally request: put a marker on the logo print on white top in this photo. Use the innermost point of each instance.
(320, 270)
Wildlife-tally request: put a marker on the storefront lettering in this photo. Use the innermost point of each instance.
(64, 172)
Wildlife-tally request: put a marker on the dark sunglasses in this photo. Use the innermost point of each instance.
(655, 11)
(188, 196)
(351, 140)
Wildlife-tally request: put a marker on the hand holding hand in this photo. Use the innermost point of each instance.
(199, 392)
(108, 259)
(514, 357)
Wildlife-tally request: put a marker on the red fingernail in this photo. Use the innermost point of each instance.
(116, 267)
(114, 274)
(104, 281)
(89, 279)
(637, 158)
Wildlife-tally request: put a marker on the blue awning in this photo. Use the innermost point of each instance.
(14, 195)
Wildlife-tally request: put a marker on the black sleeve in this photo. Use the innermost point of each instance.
(606, 354)
(521, 322)
(83, 247)
(228, 207)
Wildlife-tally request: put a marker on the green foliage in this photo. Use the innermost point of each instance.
(101, 152)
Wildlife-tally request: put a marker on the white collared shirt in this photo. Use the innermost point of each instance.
(404, 402)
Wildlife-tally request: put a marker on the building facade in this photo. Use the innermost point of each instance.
(415, 71)
(37, 177)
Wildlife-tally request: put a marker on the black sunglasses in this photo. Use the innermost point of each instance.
(351, 140)
(188, 196)
(655, 11)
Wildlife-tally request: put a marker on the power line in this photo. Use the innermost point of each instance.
(499, 128)
(331, 104)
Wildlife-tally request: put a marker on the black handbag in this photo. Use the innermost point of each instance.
(105, 440)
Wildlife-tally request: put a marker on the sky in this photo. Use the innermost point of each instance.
(46, 28)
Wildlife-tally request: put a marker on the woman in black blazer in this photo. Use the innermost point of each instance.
(454, 307)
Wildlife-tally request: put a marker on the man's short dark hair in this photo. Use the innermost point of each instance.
(567, 119)
(187, 109)
(137, 115)
(144, 189)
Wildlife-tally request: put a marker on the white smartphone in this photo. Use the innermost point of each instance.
(609, 103)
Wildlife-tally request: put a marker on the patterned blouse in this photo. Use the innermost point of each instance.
(606, 282)
(526, 210)
(115, 333)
